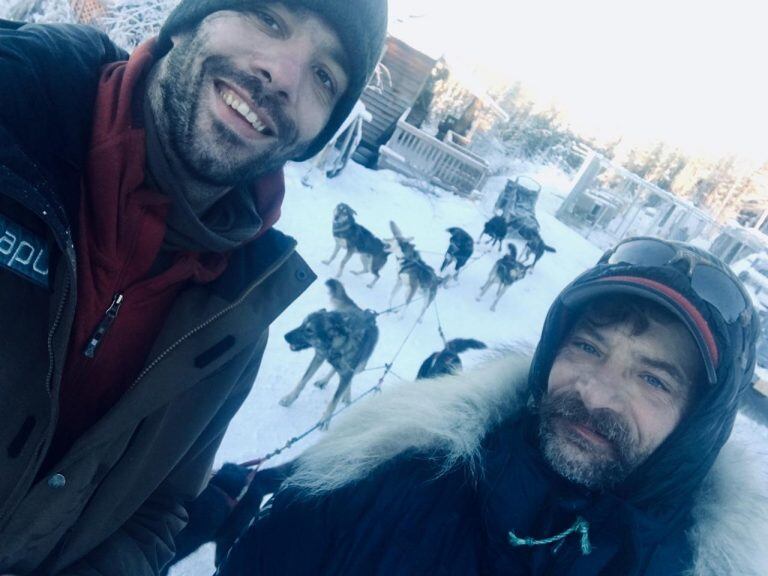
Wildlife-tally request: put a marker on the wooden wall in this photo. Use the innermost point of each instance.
(409, 70)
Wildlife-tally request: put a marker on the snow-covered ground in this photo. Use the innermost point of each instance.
(378, 197)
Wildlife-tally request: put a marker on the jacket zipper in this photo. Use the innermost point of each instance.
(104, 325)
(267, 273)
(57, 319)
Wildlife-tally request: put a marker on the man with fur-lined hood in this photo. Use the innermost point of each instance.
(610, 452)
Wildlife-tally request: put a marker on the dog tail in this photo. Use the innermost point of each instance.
(396, 230)
(459, 345)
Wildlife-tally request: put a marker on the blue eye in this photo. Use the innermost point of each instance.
(586, 347)
(655, 382)
(326, 80)
(268, 20)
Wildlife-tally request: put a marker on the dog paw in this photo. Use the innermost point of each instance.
(321, 384)
(326, 262)
(324, 423)
(287, 400)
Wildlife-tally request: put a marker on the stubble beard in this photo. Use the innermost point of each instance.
(577, 459)
(215, 156)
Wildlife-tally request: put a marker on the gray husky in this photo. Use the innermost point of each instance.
(413, 271)
(345, 337)
(357, 239)
(505, 272)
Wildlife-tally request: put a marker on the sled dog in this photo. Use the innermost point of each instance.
(357, 239)
(345, 337)
(413, 271)
(459, 250)
(505, 272)
(447, 361)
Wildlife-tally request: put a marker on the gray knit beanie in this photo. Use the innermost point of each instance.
(360, 24)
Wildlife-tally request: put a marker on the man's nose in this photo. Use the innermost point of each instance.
(280, 73)
(601, 388)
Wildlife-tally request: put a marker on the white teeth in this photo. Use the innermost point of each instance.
(243, 109)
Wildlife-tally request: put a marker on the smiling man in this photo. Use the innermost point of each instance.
(607, 454)
(140, 270)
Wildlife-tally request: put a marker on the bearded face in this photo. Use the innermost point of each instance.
(595, 449)
(243, 93)
(614, 395)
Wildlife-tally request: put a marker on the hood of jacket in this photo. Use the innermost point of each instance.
(679, 465)
(447, 419)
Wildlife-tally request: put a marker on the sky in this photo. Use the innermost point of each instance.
(692, 74)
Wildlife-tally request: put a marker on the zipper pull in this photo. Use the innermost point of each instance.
(103, 327)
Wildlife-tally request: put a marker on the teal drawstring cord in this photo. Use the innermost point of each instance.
(580, 525)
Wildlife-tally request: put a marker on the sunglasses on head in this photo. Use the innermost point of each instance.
(710, 283)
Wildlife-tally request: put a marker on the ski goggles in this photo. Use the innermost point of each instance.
(711, 283)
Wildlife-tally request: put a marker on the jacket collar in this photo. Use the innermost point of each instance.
(449, 417)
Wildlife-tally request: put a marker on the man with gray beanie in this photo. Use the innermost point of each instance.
(140, 270)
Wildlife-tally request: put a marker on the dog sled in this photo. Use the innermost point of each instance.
(517, 202)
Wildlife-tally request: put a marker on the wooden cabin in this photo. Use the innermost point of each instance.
(407, 71)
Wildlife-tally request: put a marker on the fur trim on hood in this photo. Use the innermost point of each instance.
(447, 419)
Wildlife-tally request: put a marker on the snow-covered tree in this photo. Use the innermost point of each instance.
(128, 22)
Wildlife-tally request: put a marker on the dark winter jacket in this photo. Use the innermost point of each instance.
(113, 503)
(431, 478)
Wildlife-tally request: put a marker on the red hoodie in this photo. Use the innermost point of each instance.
(122, 226)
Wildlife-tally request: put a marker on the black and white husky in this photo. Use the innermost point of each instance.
(534, 246)
(459, 250)
(357, 239)
(505, 272)
(447, 361)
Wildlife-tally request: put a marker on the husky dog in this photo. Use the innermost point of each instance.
(447, 361)
(534, 245)
(459, 250)
(496, 229)
(341, 302)
(345, 337)
(505, 272)
(414, 271)
(357, 240)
